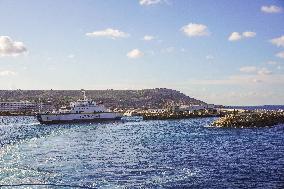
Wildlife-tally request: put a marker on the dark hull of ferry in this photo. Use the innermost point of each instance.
(96, 120)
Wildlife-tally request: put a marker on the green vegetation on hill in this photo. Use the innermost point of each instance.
(145, 98)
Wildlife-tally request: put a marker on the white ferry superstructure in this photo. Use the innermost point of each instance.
(80, 111)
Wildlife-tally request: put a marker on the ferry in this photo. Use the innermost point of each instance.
(83, 110)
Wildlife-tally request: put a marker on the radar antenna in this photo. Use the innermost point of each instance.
(39, 105)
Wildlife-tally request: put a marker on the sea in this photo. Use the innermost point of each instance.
(186, 153)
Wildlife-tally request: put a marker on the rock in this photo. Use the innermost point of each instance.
(252, 119)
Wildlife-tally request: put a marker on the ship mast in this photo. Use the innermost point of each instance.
(84, 95)
(39, 105)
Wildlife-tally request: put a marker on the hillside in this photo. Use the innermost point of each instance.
(146, 98)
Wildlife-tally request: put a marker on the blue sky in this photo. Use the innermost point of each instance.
(226, 52)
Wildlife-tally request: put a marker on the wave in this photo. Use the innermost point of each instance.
(20, 128)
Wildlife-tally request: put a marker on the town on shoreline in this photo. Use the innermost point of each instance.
(159, 100)
(151, 104)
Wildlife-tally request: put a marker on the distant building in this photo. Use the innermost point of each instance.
(156, 111)
(23, 106)
(192, 108)
(131, 112)
(45, 107)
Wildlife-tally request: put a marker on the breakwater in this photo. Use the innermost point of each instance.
(165, 116)
(251, 119)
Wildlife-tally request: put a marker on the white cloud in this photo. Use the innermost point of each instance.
(8, 47)
(149, 2)
(255, 70)
(195, 30)
(71, 56)
(148, 37)
(135, 53)
(271, 9)
(249, 34)
(235, 36)
(242, 80)
(111, 33)
(247, 89)
(256, 80)
(248, 69)
(183, 50)
(264, 71)
(7, 73)
(280, 54)
(279, 41)
(168, 50)
(272, 63)
(210, 57)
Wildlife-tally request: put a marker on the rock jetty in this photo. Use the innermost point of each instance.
(251, 119)
(165, 116)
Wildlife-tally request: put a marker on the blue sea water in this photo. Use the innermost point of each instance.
(146, 154)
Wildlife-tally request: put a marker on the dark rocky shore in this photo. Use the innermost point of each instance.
(165, 116)
(251, 119)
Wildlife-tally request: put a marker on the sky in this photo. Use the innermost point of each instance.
(221, 52)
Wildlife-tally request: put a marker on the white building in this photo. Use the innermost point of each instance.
(191, 108)
(17, 106)
(131, 112)
(156, 111)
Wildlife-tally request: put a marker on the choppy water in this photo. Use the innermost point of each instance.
(146, 154)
